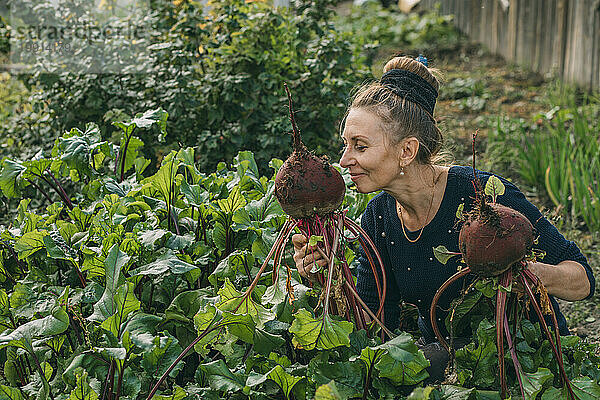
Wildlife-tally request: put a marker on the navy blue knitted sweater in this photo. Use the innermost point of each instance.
(414, 274)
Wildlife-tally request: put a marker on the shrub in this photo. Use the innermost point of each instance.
(220, 76)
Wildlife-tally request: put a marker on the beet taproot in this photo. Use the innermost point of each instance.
(494, 239)
(307, 185)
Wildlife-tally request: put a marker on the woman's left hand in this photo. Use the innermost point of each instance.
(567, 280)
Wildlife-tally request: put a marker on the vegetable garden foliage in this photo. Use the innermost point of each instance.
(219, 73)
(103, 287)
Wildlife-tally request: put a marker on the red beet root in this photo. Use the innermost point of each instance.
(493, 238)
(307, 185)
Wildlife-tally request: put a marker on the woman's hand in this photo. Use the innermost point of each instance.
(306, 257)
(567, 280)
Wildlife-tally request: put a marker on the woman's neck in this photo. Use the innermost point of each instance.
(419, 194)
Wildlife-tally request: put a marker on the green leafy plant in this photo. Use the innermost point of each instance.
(569, 173)
(104, 287)
(214, 72)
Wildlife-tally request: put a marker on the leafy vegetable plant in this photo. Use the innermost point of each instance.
(105, 286)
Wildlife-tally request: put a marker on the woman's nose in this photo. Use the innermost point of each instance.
(346, 159)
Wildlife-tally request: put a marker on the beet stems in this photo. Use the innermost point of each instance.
(331, 228)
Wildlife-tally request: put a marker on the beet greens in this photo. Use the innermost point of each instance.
(310, 190)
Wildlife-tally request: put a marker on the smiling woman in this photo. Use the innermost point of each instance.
(392, 144)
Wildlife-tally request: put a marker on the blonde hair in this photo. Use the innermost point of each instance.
(403, 118)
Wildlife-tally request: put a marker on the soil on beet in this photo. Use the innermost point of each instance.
(493, 238)
(505, 90)
(306, 185)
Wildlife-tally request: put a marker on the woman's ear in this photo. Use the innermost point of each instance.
(407, 150)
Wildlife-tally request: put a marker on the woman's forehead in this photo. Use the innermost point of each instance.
(361, 123)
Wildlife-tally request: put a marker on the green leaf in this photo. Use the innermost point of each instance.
(11, 171)
(57, 248)
(486, 287)
(265, 342)
(165, 351)
(246, 168)
(124, 303)
(186, 304)
(135, 144)
(145, 120)
(314, 240)
(477, 361)
(241, 326)
(421, 393)
(10, 393)
(494, 187)
(165, 177)
(238, 262)
(402, 363)
(30, 243)
(442, 254)
(233, 202)
(584, 388)
(178, 394)
(348, 376)
(232, 300)
(105, 307)
(221, 378)
(462, 306)
(328, 392)
(451, 392)
(166, 262)
(141, 328)
(86, 361)
(460, 212)
(53, 324)
(150, 238)
(4, 303)
(321, 333)
(534, 383)
(206, 318)
(194, 194)
(284, 380)
(83, 391)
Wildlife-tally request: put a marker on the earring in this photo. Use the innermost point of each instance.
(402, 170)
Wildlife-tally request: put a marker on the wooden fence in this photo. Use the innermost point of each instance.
(559, 37)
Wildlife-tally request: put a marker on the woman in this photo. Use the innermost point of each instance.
(391, 144)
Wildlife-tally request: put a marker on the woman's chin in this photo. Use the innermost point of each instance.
(363, 188)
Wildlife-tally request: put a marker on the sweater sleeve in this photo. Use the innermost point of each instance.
(550, 240)
(366, 284)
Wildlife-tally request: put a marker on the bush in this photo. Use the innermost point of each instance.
(220, 76)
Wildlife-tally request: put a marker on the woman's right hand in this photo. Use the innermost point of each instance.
(306, 257)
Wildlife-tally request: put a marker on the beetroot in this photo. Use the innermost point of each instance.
(307, 185)
(493, 238)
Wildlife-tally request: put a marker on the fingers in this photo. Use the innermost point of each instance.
(299, 240)
(307, 259)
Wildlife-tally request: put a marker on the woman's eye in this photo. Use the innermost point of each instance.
(360, 148)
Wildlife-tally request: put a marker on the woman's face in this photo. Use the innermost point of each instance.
(372, 161)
